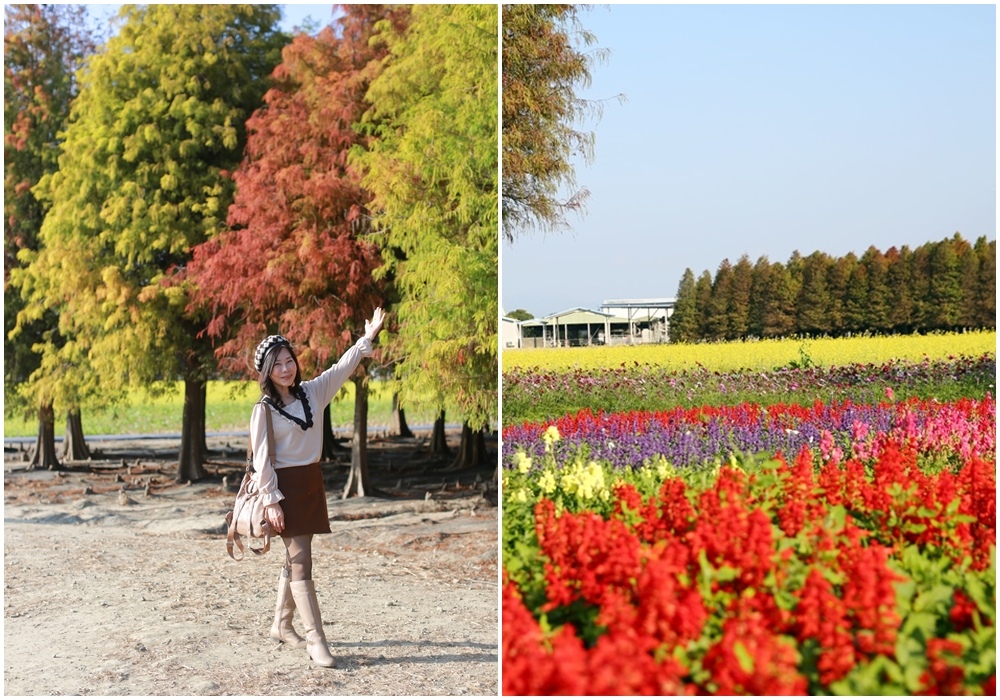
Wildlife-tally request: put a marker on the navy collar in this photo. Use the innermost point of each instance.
(300, 394)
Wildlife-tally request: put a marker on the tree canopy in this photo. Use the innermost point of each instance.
(943, 285)
(44, 45)
(143, 177)
(295, 258)
(432, 171)
(546, 60)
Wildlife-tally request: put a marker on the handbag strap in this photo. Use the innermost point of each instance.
(270, 437)
(270, 434)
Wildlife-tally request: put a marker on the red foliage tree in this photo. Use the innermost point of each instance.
(295, 259)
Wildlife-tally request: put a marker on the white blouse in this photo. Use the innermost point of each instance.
(293, 445)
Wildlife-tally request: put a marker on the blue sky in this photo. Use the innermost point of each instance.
(292, 15)
(295, 15)
(761, 130)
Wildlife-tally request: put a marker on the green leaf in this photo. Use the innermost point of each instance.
(743, 657)
(933, 598)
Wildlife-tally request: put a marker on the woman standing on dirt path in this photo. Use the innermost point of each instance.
(293, 488)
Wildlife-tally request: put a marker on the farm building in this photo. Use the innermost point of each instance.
(648, 319)
(619, 322)
(510, 332)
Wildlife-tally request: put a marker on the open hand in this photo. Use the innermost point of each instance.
(372, 327)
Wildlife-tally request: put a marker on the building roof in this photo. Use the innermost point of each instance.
(577, 316)
(658, 302)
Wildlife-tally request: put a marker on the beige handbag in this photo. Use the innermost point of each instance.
(247, 516)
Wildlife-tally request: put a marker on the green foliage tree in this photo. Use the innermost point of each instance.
(779, 309)
(717, 310)
(856, 303)
(520, 315)
(703, 298)
(942, 305)
(755, 316)
(968, 270)
(44, 45)
(546, 59)
(738, 309)
(432, 171)
(879, 295)
(684, 319)
(900, 288)
(944, 285)
(813, 299)
(986, 294)
(837, 280)
(143, 177)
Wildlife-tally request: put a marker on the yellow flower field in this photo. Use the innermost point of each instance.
(759, 354)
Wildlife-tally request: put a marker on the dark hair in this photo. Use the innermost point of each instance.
(267, 386)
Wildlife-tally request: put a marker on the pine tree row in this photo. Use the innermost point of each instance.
(947, 285)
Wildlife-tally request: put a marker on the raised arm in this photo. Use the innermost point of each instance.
(328, 384)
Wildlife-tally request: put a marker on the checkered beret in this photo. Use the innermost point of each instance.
(265, 346)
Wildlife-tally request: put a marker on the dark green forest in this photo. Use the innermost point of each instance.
(938, 286)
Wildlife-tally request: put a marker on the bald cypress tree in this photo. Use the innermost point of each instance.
(837, 281)
(943, 302)
(431, 168)
(143, 177)
(879, 295)
(899, 280)
(738, 311)
(684, 320)
(813, 298)
(986, 295)
(703, 295)
(44, 46)
(968, 270)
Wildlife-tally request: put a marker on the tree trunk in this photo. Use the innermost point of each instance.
(358, 483)
(331, 444)
(190, 462)
(398, 426)
(74, 445)
(44, 454)
(439, 441)
(472, 450)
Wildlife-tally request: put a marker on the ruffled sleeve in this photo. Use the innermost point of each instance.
(264, 475)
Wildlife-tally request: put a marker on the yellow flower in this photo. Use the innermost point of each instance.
(586, 481)
(547, 482)
(522, 461)
(550, 437)
(662, 466)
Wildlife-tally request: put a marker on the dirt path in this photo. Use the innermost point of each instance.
(118, 593)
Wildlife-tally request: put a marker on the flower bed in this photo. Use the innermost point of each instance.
(698, 436)
(868, 570)
(535, 394)
(761, 354)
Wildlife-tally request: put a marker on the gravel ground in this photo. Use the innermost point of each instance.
(109, 591)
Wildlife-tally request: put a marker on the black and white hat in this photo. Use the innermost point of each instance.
(265, 346)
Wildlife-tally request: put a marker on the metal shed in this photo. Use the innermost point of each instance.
(573, 327)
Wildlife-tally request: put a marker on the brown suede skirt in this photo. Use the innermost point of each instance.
(304, 502)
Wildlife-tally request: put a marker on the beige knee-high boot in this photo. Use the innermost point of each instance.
(304, 593)
(284, 608)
